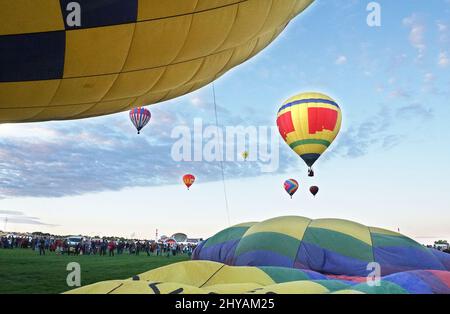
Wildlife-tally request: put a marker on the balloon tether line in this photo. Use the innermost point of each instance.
(221, 156)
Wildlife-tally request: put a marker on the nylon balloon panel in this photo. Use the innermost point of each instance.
(338, 243)
(394, 251)
(125, 54)
(347, 227)
(198, 277)
(293, 226)
(328, 246)
(229, 234)
(258, 247)
(223, 245)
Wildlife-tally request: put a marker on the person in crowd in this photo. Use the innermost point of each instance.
(42, 246)
(111, 247)
(138, 247)
(103, 247)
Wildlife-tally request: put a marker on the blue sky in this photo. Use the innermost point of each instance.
(387, 168)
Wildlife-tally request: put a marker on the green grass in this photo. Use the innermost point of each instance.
(24, 271)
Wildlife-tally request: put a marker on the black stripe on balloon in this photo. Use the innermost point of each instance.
(101, 12)
(29, 57)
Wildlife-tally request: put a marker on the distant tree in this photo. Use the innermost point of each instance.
(441, 242)
(38, 233)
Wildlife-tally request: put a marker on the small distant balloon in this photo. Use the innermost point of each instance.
(140, 117)
(188, 180)
(314, 190)
(245, 155)
(291, 186)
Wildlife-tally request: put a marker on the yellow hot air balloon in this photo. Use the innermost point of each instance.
(245, 155)
(309, 123)
(62, 59)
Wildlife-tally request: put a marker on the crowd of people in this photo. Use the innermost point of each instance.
(445, 249)
(102, 247)
(105, 247)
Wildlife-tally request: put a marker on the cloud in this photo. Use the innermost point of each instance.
(378, 131)
(416, 34)
(28, 221)
(413, 111)
(18, 217)
(390, 141)
(399, 93)
(357, 140)
(86, 158)
(442, 27)
(428, 77)
(443, 60)
(57, 159)
(341, 60)
(197, 101)
(10, 212)
(443, 31)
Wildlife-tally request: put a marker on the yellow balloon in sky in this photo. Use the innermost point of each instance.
(62, 59)
(309, 123)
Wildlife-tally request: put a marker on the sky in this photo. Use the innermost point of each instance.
(387, 168)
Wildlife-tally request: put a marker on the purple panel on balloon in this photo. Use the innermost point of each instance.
(316, 258)
(263, 258)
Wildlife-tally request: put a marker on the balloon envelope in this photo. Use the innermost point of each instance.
(314, 190)
(309, 123)
(124, 54)
(203, 277)
(140, 117)
(328, 246)
(188, 180)
(291, 186)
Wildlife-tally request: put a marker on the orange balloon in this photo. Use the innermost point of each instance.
(188, 180)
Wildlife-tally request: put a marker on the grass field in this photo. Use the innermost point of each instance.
(24, 271)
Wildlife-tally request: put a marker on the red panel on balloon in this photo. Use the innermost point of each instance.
(320, 119)
(285, 124)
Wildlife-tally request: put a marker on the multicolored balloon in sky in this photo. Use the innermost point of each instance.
(188, 180)
(309, 123)
(291, 186)
(140, 117)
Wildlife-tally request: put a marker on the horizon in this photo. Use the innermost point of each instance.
(388, 168)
